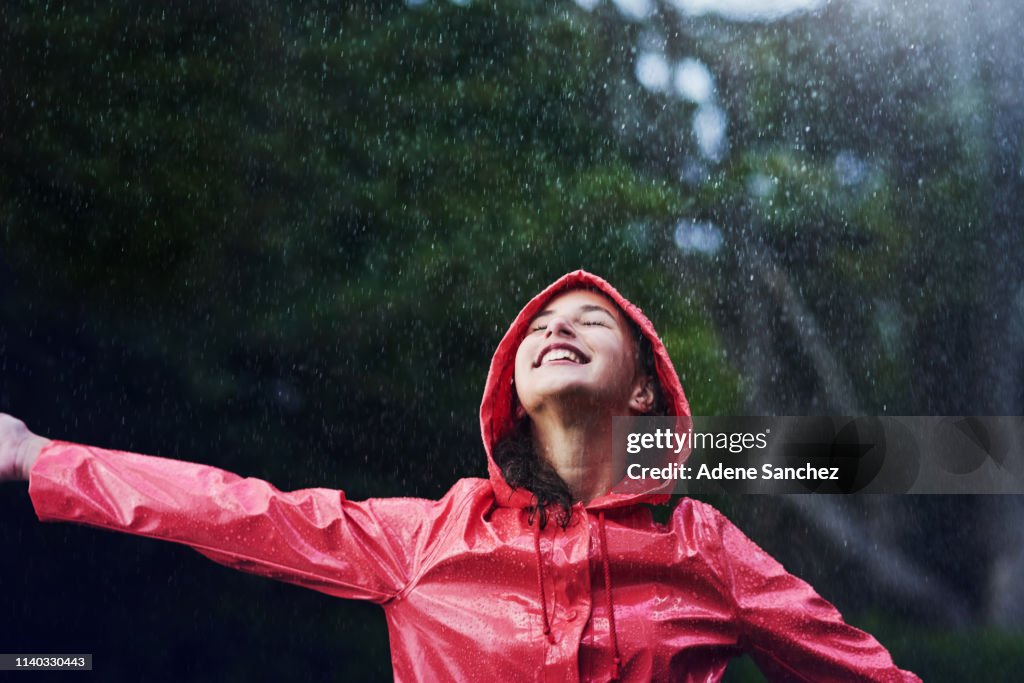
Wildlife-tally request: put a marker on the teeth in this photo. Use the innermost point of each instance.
(560, 354)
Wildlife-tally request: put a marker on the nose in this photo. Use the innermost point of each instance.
(560, 327)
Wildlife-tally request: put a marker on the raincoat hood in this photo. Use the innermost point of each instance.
(497, 411)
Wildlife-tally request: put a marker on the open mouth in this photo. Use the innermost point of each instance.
(561, 354)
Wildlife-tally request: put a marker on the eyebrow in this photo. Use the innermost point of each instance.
(585, 308)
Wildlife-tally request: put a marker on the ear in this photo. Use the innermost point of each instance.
(518, 411)
(642, 400)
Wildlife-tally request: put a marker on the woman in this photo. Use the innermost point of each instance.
(540, 572)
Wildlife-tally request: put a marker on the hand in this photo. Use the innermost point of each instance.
(19, 449)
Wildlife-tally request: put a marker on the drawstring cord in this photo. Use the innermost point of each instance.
(616, 657)
(613, 635)
(540, 584)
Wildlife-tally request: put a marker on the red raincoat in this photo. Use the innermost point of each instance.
(471, 590)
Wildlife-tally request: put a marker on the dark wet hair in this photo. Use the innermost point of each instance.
(523, 467)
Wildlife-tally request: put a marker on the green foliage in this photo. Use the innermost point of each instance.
(861, 163)
(943, 655)
(713, 388)
(284, 186)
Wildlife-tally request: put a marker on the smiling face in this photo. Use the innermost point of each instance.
(579, 348)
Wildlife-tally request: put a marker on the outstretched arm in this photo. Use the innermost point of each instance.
(19, 449)
(793, 633)
(315, 537)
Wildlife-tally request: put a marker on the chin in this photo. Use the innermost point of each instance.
(568, 394)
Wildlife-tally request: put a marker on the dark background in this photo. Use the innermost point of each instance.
(285, 239)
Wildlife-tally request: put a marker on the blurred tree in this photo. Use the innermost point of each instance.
(870, 263)
(261, 196)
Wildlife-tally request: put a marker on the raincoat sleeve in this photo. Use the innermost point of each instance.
(314, 537)
(791, 632)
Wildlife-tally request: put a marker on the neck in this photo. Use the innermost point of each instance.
(578, 445)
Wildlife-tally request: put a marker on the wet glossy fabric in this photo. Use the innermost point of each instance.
(469, 587)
